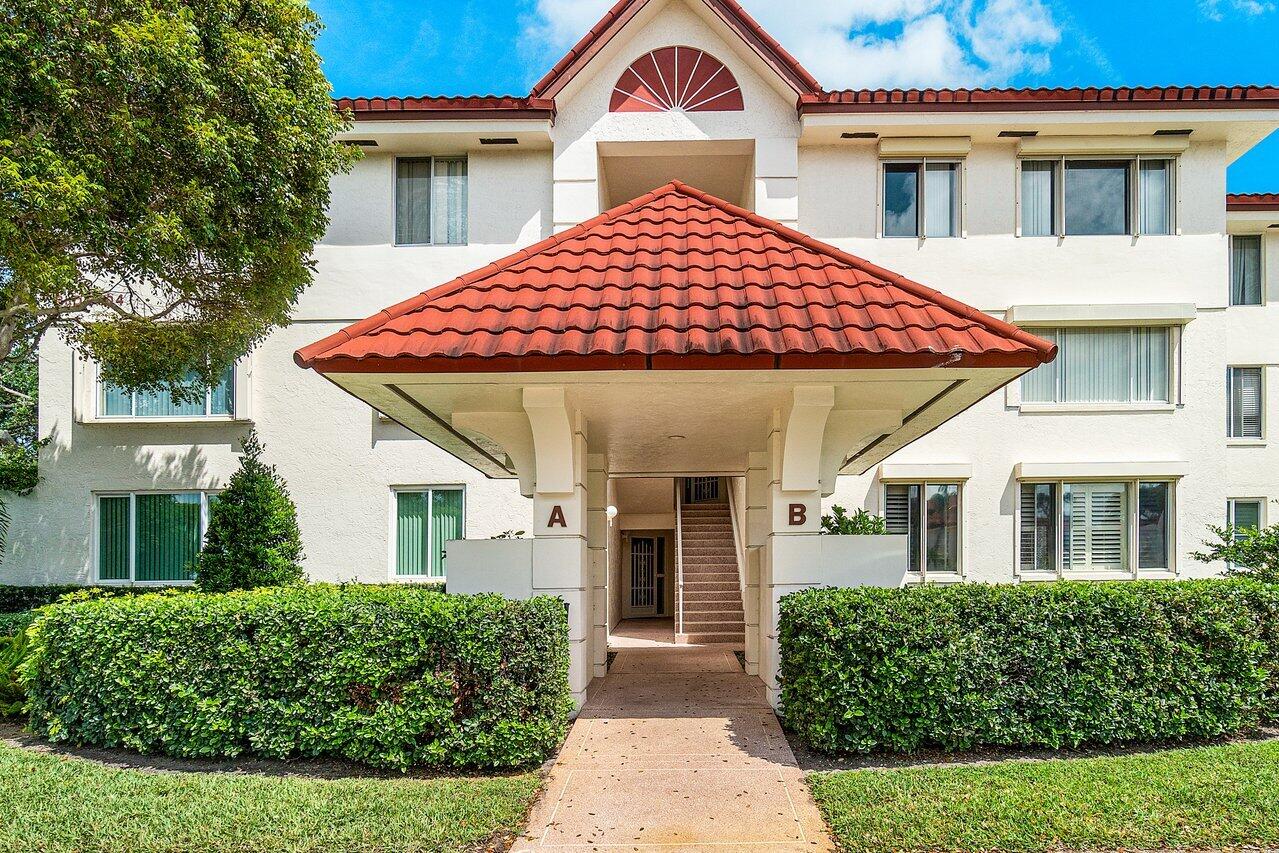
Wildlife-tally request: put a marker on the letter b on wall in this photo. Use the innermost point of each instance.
(798, 515)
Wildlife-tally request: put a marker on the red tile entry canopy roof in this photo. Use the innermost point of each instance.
(676, 279)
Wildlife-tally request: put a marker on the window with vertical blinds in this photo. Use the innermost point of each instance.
(431, 201)
(929, 515)
(1245, 269)
(150, 537)
(1103, 365)
(216, 401)
(1244, 397)
(426, 521)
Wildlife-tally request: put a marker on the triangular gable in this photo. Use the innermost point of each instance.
(729, 11)
(677, 279)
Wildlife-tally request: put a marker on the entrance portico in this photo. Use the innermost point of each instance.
(675, 336)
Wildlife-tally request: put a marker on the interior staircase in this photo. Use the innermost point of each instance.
(712, 591)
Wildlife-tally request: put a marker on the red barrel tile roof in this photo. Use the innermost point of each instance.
(677, 278)
(976, 100)
(1252, 201)
(447, 107)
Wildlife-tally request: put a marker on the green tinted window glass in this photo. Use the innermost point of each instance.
(167, 537)
(113, 538)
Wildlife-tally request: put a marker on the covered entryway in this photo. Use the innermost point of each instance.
(675, 336)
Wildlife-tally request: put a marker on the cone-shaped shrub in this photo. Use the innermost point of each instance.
(253, 538)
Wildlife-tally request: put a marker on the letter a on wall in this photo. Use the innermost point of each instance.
(557, 518)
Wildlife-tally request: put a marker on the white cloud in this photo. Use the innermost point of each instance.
(865, 43)
(1213, 11)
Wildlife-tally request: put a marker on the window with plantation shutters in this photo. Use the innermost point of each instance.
(1244, 398)
(426, 521)
(1095, 528)
(929, 515)
(1037, 537)
(150, 538)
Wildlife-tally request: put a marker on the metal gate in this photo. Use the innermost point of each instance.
(701, 489)
(643, 576)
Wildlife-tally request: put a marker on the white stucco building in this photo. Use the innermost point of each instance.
(1096, 220)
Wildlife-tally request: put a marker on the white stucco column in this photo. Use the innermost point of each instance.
(561, 523)
(597, 558)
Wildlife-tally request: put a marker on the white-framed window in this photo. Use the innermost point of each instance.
(431, 201)
(1245, 403)
(426, 520)
(1067, 196)
(1104, 365)
(214, 402)
(931, 514)
(1246, 270)
(1245, 514)
(1125, 526)
(149, 537)
(921, 198)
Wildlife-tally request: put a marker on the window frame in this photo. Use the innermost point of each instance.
(395, 198)
(921, 572)
(1261, 510)
(921, 165)
(1243, 440)
(100, 399)
(1132, 204)
(1132, 542)
(1173, 367)
(1261, 271)
(393, 528)
(132, 495)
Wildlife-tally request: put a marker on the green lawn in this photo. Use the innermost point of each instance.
(52, 803)
(1190, 798)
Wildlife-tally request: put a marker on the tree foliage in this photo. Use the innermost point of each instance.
(860, 523)
(1248, 551)
(253, 538)
(164, 173)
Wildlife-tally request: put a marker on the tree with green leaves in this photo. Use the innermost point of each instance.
(1250, 552)
(860, 523)
(164, 174)
(253, 538)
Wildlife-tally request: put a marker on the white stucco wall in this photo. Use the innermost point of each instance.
(342, 462)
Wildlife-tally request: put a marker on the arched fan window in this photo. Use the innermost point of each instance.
(676, 78)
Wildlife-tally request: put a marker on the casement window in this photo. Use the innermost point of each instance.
(150, 537)
(1245, 514)
(1096, 527)
(1085, 196)
(215, 402)
(1245, 270)
(921, 198)
(1104, 365)
(431, 201)
(1245, 402)
(425, 521)
(929, 514)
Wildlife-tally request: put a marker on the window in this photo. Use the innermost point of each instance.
(1100, 365)
(1068, 526)
(1245, 270)
(217, 402)
(1244, 514)
(425, 521)
(1097, 196)
(150, 537)
(928, 513)
(1244, 401)
(431, 201)
(921, 198)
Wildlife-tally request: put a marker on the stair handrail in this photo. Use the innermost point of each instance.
(679, 558)
(737, 541)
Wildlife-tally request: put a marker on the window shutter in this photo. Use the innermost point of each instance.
(901, 512)
(113, 538)
(446, 526)
(410, 534)
(1097, 527)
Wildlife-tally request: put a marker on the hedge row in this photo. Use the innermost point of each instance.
(1054, 665)
(14, 623)
(392, 677)
(15, 599)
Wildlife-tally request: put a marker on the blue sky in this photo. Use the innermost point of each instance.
(399, 47)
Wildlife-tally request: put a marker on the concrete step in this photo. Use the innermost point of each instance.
(698, 639)
(700, 616)
(714, 626)
(708, 575)
(710, 586)
(709, 597)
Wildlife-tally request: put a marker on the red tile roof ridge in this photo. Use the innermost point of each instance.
(307, 356)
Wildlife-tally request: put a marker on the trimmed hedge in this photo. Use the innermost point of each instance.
(14, 623)
(15, 599)
(1054, 665)
(388, 676)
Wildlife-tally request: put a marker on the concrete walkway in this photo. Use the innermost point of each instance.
(676, 750)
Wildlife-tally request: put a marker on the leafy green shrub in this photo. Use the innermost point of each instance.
(13, 651)
(1249, 552)
(1050, 665)
(17, 599)
(14, 623)
(860, 523)
(253, 537)
(392, 677)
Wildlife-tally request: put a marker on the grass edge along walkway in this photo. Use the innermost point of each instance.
(1208, 797)
(57, 803)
